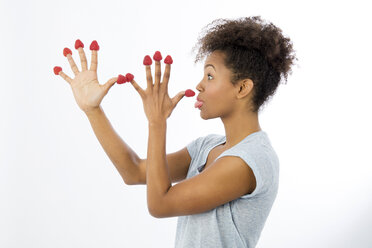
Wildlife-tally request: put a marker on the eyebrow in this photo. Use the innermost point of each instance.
(210, 65)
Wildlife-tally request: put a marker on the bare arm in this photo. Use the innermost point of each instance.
(121, 155)
(131, 167)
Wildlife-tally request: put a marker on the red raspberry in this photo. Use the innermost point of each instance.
(129, 77)
(157, 56)
(121, 79)
(94, 45)
(189, 93)
(78, 44)
(168, 60)
(57, 69)
(66, 51)
(147, 60)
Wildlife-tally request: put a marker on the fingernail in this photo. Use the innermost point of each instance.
(147, 60)
(57, 69)
(94, 46)
(189, 93)
(157, 56)
(78, 44)
(129, 77)
(168, 60)
(66, 51)
(121, 79)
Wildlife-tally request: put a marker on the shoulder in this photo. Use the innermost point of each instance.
(203, 141)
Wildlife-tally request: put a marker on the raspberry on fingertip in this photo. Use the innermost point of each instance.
(57, 69)
(189, 93)
(78, 44)
(129, 77)
(121, 79)
(66, 51)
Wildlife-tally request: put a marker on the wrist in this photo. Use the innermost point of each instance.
(93, 111)
(157, 123)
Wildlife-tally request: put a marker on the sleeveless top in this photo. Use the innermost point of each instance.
(237, 223)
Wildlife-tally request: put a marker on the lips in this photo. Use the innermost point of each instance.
(198, 103)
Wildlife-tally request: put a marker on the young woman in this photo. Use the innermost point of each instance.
(227, 183)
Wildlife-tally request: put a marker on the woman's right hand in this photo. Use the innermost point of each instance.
(87, 91)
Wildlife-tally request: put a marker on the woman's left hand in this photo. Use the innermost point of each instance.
(157, 104)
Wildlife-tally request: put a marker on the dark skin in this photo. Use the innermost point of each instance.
(230, 103)
(225, 179)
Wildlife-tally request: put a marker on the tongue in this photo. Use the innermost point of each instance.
(198, 104)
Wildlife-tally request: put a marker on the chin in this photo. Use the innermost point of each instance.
(206, 117)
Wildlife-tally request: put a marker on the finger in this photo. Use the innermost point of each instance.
(178, 97)
(94, 61)
(166, 76)
(157, 57)
(83, 59)
(65, 77)
(138, 88)
(149, 77)
(157, 75)
(107, 86)
(72, 64)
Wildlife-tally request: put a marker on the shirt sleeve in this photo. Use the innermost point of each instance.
(253, 161)
(194, 146)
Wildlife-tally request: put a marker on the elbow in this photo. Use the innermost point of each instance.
(129, 181)
(154, 213)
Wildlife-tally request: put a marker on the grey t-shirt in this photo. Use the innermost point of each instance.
(237, 223)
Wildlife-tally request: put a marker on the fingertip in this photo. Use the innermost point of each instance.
(121, 79)
(94, 46)
(129, 77)
(78, 44)
(168, 60)
(57, 70)
(147, 60)
(157, 56)
(189, 93)
(66, 51)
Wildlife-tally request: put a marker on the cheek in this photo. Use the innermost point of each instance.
(219, 98)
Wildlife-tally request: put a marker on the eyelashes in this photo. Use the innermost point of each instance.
(209, 75)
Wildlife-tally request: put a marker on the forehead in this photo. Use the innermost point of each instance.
(216, 57)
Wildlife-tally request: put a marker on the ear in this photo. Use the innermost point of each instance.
(245, 87)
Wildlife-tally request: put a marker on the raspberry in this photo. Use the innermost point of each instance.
(147, 60)
(94, 45)
(78, 44)
(57, 69)
(129, 77)
(168, 60)
(157, 56)
(121, 79)
(66, 51)
(189, 93)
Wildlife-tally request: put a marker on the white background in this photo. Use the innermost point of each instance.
(58, 188)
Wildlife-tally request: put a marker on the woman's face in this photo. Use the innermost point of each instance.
(216, 90)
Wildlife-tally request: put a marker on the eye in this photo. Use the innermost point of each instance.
(209, 75)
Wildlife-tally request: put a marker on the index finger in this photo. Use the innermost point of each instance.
(94, 61)
(168, 61)
(166, 76)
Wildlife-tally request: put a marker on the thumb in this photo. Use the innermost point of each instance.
(178, 97)
(109, 84)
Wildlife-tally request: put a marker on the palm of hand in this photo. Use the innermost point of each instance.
(86, 89)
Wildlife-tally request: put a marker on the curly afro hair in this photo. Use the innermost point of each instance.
(253, 49)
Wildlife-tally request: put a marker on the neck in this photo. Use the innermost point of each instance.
(238, 126)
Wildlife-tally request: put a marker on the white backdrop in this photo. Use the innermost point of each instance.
(58, 188)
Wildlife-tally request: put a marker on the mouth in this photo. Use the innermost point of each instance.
(198, 104)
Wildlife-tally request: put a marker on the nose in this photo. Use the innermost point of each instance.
(198, 87)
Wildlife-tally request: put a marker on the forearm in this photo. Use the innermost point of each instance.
(121, 155)
(157, 174)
